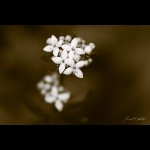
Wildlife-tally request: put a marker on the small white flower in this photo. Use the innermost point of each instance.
(79, 40)
(48, 78)
(73, 56)
(90, 60)
(52, 92)
(43, 92)
(73, 47)
(47, 86)
(68, 38)
(88, 49)
(48, 41)
(53, 46)
(40, 85)
(52, 41)
(83, 46)
(44, 87)
(57, 98)
(86, 63)
(47, 82)
(63, 60)
(60, 42)
(92, 45)
(61, 38)
(74, 52)
(51, 97)
(76, 57)
(75, 69)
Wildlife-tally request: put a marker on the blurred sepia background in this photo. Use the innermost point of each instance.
(115, 88)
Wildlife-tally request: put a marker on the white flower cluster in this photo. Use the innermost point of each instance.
(53, 92)
(71, 54)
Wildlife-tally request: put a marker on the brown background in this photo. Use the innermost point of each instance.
(115, 86)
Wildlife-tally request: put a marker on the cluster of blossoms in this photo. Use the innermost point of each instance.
(71, 54)
(53, 92)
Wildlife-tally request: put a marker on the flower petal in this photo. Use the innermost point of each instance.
(88, 49)
(68, 71)
(71, 54)
(60, 42)
(83, 46)
(57, 60)
(68, 38)
(54, 91)
(48, 41)
(80, 64)
(48, 48)
(48, 79)
(53, 39)
(64, 96)
(59, 105)
(77, 57)
(61, 38)
(62, 67)
(66, 47)
(86, 63)
(47, 86)
(40, 85)
(79, 73)
(49, 98)
(90, 60)
(92, 45)
(79, 40)
(74, 43)
(64, 54)
(80, 51)
(69, 62)
(43, 91)
(56, 51)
